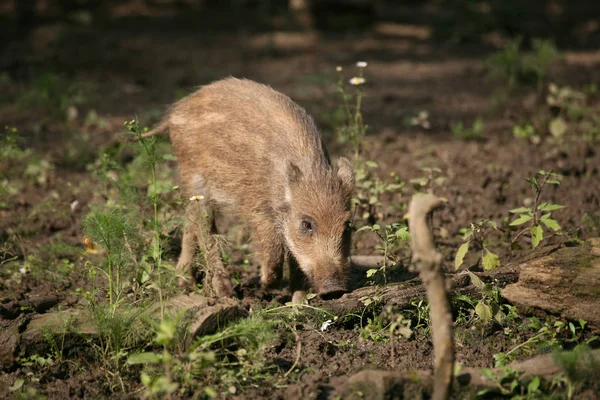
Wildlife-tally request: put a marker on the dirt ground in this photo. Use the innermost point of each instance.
(134, 59)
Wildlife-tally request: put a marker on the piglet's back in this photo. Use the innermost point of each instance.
(234, 135)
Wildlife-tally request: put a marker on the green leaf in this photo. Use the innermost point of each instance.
(364, 228)
(520, 210)
(558, 127)
(488, 373)
(521, 220)
(371, 164)
(537, 235)
(475, 280)
(483, 311)
(144, 358)
(210, 392)
(553, 182)
(371, 272)
(17, 385)
(501, 359)
(460, 255)
(169, 157)
(145, 378)
(550, 207)
(490, 260)
(549, 222)
(533, 385)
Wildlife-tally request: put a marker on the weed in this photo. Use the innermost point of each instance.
(176, 370)
(369, 189)
(387, 326)
(420, 119)
(511, 383)
(488, 308)
(115, 232)
(152, 159)
(513, 66)
(433, 177)
(354, 129)
(57, 341)
(475, 235)
(592, 221)
(56, 95)
(548, 335)
(419, 317)
(580, 367)
(539, 214)
(461, 131)
(391, 236)
(527, 132)
(571, 112)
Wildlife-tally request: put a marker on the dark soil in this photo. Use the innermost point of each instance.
(134, 59)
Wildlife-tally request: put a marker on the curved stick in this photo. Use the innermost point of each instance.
(428, 262)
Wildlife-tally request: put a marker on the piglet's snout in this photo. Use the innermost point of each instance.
(332, 289)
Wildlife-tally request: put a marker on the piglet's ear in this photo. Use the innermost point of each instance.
(293, 175)
(346, 175)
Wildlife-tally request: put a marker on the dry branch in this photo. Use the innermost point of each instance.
(428, 261)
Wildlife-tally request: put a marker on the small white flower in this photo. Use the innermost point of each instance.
(74, 205)
(175, 187)
(357, 80)
(325, 325)
(24, 269)
(196, 198)
(338, 68)
(362, 64)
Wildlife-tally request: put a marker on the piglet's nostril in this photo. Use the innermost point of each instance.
(332, 294)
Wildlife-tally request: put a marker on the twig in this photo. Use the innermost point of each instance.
(428, 262)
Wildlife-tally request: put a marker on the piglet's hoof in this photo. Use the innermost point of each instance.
(183, 282)
(298, 296)
(222, 285)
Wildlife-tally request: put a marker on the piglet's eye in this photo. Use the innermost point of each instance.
(307, 225)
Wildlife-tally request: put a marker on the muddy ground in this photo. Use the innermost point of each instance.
(69, 84)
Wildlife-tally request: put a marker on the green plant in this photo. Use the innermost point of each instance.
(114, 231)
(526, 131)
(433, 176)
(57, 95)
(581, 368)
(511, 383)
(419, 317)
(539, 214)
(488, 308)
(176, 370)
(475, 235)
(152, 159)
(461, 131)
(549, 335)
(369, 189)
(57, 340)
(354, 129)
(571, 112)
(391, 237)
(386, 326)
(592, 221)
(514, 66)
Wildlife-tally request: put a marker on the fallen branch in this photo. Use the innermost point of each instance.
(428, 261)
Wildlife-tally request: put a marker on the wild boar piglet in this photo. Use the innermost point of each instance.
(243, 145)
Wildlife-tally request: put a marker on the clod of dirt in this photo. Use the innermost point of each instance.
(565, 282)
(202, 316)
(40, 304)
(418, 384)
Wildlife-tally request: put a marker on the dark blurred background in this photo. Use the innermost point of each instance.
(133, 57)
